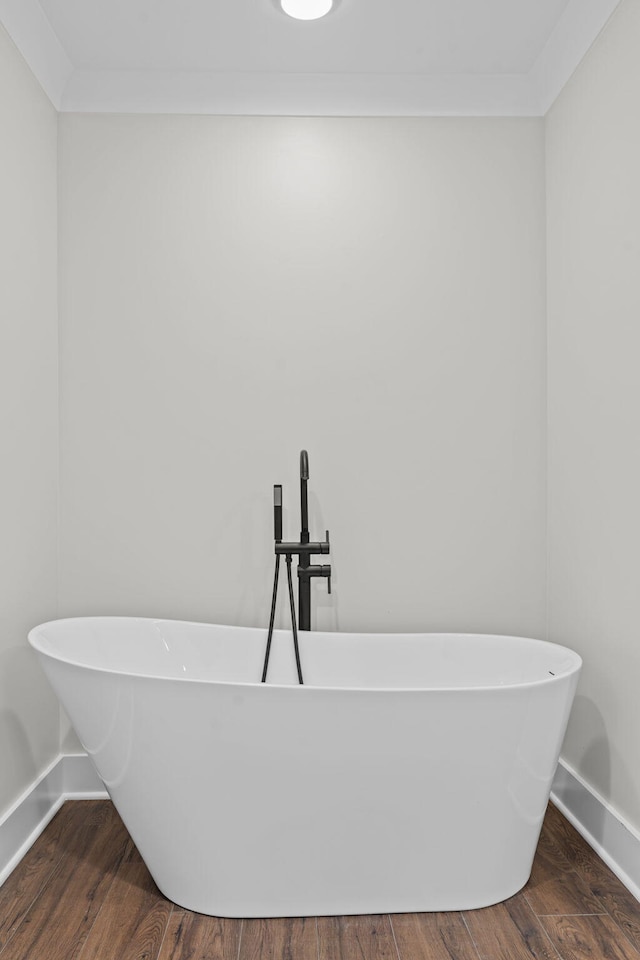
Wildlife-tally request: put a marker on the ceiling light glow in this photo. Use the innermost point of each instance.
(306, 9)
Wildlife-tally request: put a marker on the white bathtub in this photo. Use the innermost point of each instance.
(410, 773)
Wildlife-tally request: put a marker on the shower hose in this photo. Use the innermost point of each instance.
(296, 648)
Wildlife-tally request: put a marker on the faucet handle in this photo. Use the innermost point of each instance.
(328, 566)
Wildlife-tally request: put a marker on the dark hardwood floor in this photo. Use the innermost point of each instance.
(83, 893)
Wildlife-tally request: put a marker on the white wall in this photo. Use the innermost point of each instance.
(235, 289)
(28, 418)
(593, 164)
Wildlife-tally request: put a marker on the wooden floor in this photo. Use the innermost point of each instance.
(82, 893)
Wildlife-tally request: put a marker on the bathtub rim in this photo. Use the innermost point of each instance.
(33, 639)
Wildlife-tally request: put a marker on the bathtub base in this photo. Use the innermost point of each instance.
(326, 907)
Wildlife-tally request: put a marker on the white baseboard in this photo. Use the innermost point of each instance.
(68, 777)
(613, 840)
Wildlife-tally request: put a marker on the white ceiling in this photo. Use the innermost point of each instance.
(367, 57)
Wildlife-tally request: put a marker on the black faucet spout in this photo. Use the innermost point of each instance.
(302, 550)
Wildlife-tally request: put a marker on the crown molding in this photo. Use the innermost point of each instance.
(250, 94)
(575, 33)
(355, 94)
(33, 35)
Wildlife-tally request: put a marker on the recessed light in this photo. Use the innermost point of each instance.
(306, 9)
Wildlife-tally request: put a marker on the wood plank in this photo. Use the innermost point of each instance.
(192, 936)
(58, 922)
(279, 939)
(550, 860)
(560, 834)
(22, 886)
(563, 896)
(611, 892)
(133, 918)
(432, 936)
(356, 938)
(589, 938)
(509, 931)
(554, 887)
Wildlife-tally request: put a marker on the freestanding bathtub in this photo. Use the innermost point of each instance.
(410, 773)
